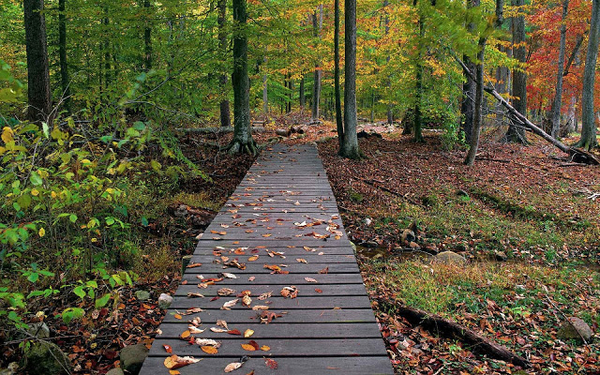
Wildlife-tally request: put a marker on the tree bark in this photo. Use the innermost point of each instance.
(224, 111)
(147, 38)
(336, 72)
(417, 119)
(62, 54)
(515, 133)
(467, 107)
(477, 116)
(317, 26)
(349, 147)
(588, 124)
(557, 102)
(242, 133)
(38, 87)
(386, 23)
(302, 95)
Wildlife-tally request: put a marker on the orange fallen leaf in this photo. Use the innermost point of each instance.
(168, 349)
(318, 290)
(209, 349)
(253, 258)
(265, 348)
(234, 332)
(271, 363)
(267, 235)
(248, 347)
(185, 334)
(174, 372)
(177, 316)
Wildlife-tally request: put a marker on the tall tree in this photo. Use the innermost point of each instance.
(242, 132)
(467, 107)
(516, 133)
(419, 67)
(557, 102)
(588, 122)
(225, 114)
(317, 19)
(349, 147)
(62, 54)
(147, 38)
(336, 72)
(38, 88)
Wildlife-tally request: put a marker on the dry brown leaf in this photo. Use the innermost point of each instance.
(264, 296)
(248, 347)
(207, 342)
(310, 280)
(218, 330)
(209, 349)
(246, 300)
(223, 292)
(168, 349)
(185, 335)
(235, 332)
(265, 348)
(260, 307)
(195, 330)
(222, 323)
(253, 258)
(177, 316)
(233, 366)
(195, 295)
(301, 260)
(174, 362)
(229, 304)
(271, 363)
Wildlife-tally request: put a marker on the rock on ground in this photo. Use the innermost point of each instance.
(132, 357)
(164, 301)
(450, 257)
(46, 358)
(575, 329)
(115, 371)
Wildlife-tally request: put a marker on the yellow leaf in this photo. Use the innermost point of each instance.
(35, 192)
(248, 347)
(42, 232)
(7, 135)
(248, 333)
(265, 348)
(209, 349)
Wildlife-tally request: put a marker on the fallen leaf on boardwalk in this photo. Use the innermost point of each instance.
(168, 349)
(224, 226)
(214, 298)
(289, 292)
(253, 258)
(175, 361)
(267, 316)
(193, 310)
(310, 280)
(318, 290)
(229, 275)
(249, 231)
(246, 300)
(229, 304)
(267, 235)
(324, 270)
(177, 316)
(185, 334)
(207, 342)
(218, 330)
(222, 233)
(309, 248)
(248, 333)
(260, 307)
(196, 321)
(301, 260)
(252, 278)
(224, 292)
(272, 267)
(264, 296)
(236, 264)
(209, 349)
(271, 363)
(195, 330)
(174, 372)
(233, 366)
(297, 203)
(222, 323)
(265, 348)
(195, 295)
(194, 265)
(239, 251)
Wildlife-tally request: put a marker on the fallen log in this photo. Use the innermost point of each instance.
(217, 130)
(448, 328)
(577, 155)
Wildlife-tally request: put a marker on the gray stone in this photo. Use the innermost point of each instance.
(164, 301)
(575, 329)
(132, 357)
(46, 358)
(115, 371)
(12, 369)
(142, 295)
(450, 257)
(39, 330)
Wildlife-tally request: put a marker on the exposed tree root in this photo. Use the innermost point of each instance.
(237, 146)
(448, 328)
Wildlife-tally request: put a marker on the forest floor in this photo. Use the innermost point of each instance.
(518, 203)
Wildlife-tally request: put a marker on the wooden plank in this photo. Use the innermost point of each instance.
(344, 256)
(291, 279)
(315, 365)
(257, 290)
(292, 267)
(279, 303)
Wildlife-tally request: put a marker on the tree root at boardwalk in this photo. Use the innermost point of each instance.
(237, 146)
(448, 328)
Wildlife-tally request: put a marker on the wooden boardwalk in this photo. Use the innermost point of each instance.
(282, 225)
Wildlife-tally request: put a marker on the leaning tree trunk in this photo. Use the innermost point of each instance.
(242, 132)
(225, 114)
(62, 54)
(336, 62)
(38, 78)
(515, 133)
(349, 148)
(557, 103)
(588, 124)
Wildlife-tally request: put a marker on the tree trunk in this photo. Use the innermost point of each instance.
(147, 38)
(336, 62)
(302, 95)
(557, 102)
(386, 23)
(467, 107)
(62, 54)
(38, 87)
(242, 133)
(588, 122)
(477, 116)
(225, 114)
(349, 147)
(317, 26)
(265, 95)
(417, 119)
(516, 133)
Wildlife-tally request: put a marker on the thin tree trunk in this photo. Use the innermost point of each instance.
(62, 54)
(224, 111)
(589, 139)
(557, 103)
(516, 133)
(417, 120)
(38, 88)
(317, 26)
(265, 95)
(349, 147)
(242, 133)
(467, 107)
(336, 62)
(147, 38)
(477, 117)
(386, 22)
(302, 95)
